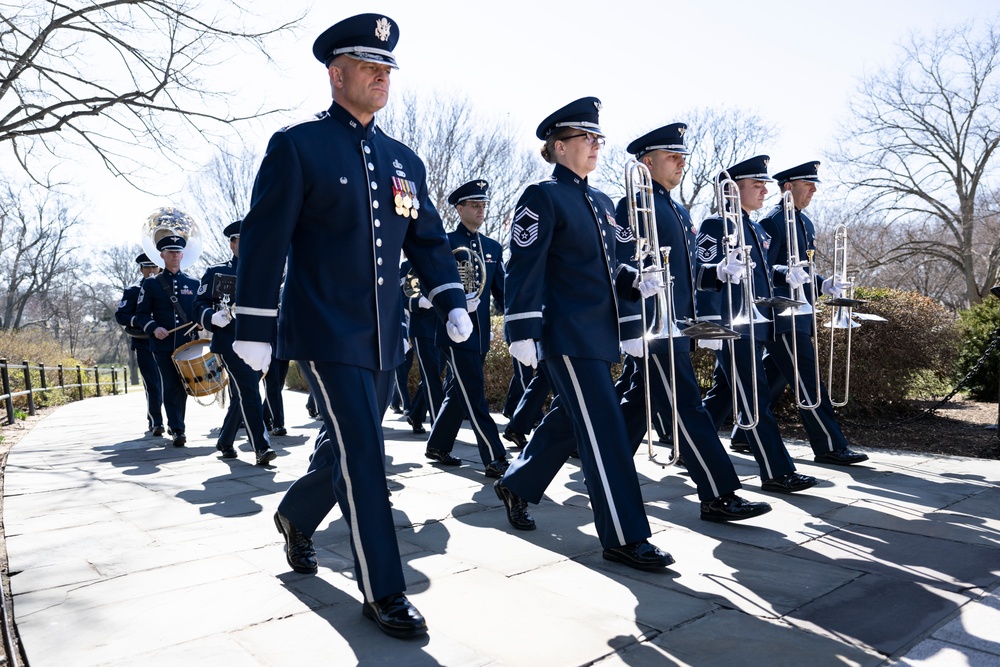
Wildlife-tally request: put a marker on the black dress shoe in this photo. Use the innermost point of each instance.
(740, 447)
(179, 440)
(170, 431)
(417, 427)
(731, 507)
(517, 438)
(640, 555)
(841, 457)
(496, 469)
(444, 458)
(313, 414)
(159, 430)
(279, 431)
(299, 550)
(266, 456)
(790, 483)
(517, 509)
(395, 616)
(227, 452)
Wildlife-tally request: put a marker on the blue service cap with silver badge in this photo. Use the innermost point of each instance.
(755, 168)
(471, 191)
(171, 243)
(370, 37)
(232, 229)
(666, 138)
(580, 114)
(804, 172)
(144, 261)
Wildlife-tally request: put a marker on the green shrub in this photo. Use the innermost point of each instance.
(295, 379)
(978, 325)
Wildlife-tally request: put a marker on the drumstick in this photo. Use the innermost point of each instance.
(189, 325)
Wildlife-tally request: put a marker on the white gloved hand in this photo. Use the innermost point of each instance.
(459, 326)
(220, 318)
(710, 343)
(633, 347)
(796, 277)
(524, 351)
(424, 302)
(649, 283)
(257, 355)
(733, 268)
(834, 287)
(472, 305)
(406, 346)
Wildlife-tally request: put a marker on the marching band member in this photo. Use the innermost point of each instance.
(125, 316)
(465, 389)
(563, 283)
(711, 469)
(338, 200)
(777, 471)
(423, 325)
(245, 381)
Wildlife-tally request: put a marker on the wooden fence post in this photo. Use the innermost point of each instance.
(27, 387)
(5, 381)
(79, 381)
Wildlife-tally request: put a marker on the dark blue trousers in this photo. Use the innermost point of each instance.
(519, 380)
(174, 396)
(465, 396)
(631, 375)
(706, 459)
(765, 439)
(348, 468)
(246, 407)
(585, 414)
(430, 393)
(151, 383)
(274, 382)
(529, 409)
(401, 385)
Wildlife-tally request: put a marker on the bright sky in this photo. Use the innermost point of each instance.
(794, 63)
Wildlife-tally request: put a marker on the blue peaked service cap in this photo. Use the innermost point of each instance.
(804, 172)
(232, 229)
(580, 114)
(369, 37)
(666, 138)
(171, 243)
(755, 168)
(471, 191)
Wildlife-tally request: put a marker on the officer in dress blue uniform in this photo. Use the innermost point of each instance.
(157, 315)
(562, 289)
(465, 390)
(125, 316)
(423, 325)
(663, 151)
(214, 316)
(339, 200)
(777, 471)
(827, 440)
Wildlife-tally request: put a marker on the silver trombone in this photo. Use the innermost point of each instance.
(642, 222)
(842, 316)
(799, 294)
(731, 211)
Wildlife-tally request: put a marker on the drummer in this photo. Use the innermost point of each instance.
(168, 321)
(212, 312)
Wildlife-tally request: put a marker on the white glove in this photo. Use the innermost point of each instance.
(220, 318)
(834, 286)
(406, 346)
(733, 268)
(424, 302)
(649, 283)
(257, 355)
(472, 305)
(524, 351)
(492, 336)
(633, 347)
(710, 343)
(796, 277)
(459, 326)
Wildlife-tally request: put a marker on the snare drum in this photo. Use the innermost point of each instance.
(200, 369)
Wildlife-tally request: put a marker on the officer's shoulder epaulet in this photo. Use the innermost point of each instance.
(309, 119)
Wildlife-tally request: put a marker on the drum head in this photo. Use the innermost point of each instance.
(193, 350)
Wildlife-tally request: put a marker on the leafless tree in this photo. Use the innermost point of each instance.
(109, 75)
(920, 149)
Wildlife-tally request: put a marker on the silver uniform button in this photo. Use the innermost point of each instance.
(374, 204)
(374, 185)
(371, 167)
(377, 222)
(380, 281)
(378, 243)
(367, 150)
(379, 262)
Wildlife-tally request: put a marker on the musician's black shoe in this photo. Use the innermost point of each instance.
(640, 555)
(731, 507)
(740, 447)
(444, 458)
(170, 431)
(158, 430)
(517, 438)
(790, 483)
(395, 616)
(313, 414)
(517, 509)
(228, 452)
(279, 431)
(299, 550)
(266, 456)
(180, 440)
(496, 469)
(841, 457)
(418, 427)
(667, 438)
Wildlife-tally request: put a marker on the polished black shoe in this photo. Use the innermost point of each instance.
(395, 616)
(731, 507)
(279, 431)
(159, 430)
(640, 555)
(313, 414)
(496, 469)
(790, 483)
(418, 428)
(170, 431)
(444, 458)
(740, 447)
(517, 509)
(667, 439)
(299, 550)
(841, 457)
(266, 456)
(517, 438)
(180, 440)
(227, 452)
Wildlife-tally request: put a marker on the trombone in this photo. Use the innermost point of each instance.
(731, 211)
(841, 318)
(799, 294)
(642, 222)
